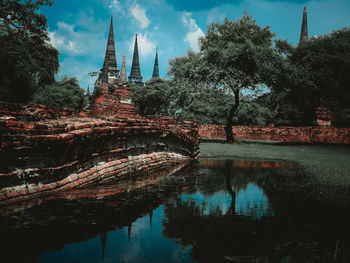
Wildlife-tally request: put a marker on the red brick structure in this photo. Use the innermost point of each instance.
(316, 134)
(323, 115)
(117, 103)
(42, 153)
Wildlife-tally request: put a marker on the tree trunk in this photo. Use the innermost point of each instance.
(228, 128)
(274, 116)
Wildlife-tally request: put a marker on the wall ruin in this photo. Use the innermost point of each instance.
(45, 153)
(311, 134)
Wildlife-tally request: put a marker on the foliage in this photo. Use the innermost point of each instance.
(65, 93)
(326, 60)
(208, 107)
(153, 98)
(312, 74)
(252, 113)
(27, 61)
(235, 56)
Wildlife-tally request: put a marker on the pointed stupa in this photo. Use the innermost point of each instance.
(156, 67)
(110, 70)
(123, 78)
(304, 36)
(88, 90)
(135, 74)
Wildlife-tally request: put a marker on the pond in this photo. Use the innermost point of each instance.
(212, 211)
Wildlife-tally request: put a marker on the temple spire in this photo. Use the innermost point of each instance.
(156, 67)
(135, 74)
(110, 70)
(304, 30)
(123, 78)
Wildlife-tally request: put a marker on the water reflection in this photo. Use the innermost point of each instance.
(250, 201)
(242, 198)
(215, 211)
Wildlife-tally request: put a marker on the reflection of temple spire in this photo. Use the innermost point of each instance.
(129, 231)
(103, 242)
(304, 30)
(150, 218)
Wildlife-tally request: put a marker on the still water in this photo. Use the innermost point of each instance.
(212, 211)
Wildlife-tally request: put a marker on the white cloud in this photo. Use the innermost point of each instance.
(80, 46)
(71, 42)
(65, 39)
(195, 32)
(116, 6)
(215, 15)
(145, 45)
(140, 14)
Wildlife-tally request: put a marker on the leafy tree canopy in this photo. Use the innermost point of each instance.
(326, 60)
(27, 61)
(234, 55)
(154, 98)
(313, 74)
(65, 93)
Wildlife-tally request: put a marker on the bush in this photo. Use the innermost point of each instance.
(65, 93)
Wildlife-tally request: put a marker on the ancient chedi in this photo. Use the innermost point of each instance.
(135, 74)
(109, 73)
(123, 77)
(156, 67)
(115, 97)
(304, 36)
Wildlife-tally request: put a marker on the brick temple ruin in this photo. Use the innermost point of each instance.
(48, 151)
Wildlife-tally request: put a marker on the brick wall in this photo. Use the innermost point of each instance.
(310, 134)
(41, 155)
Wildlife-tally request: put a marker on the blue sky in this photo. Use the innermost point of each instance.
(79, 29)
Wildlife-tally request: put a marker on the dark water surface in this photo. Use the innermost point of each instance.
(214, 211)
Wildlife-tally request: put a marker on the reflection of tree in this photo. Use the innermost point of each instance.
(301, 235)
(216, 171)
(215, 235)
(301, 231)
(228, 171)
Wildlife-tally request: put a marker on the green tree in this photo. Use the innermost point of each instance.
(290, 90)
(153, 98)
(326, 61)
(252, 113)
(315, 73)
(240, 55)
(211, 106)
(234, 56)
(27, 60)
(65, 93)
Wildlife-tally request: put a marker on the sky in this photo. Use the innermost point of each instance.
(79, 29)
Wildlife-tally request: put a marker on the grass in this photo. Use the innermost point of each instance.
(326, 165)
